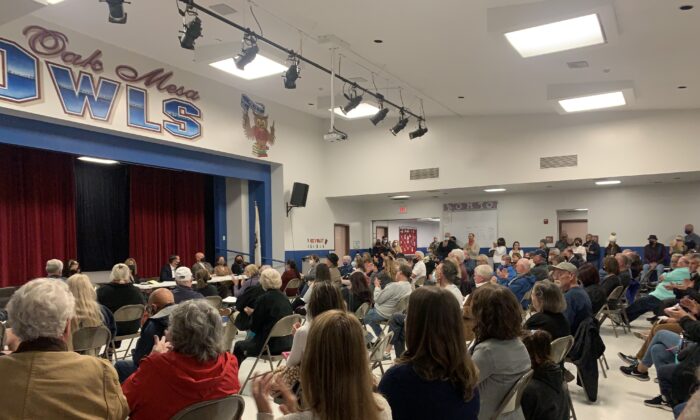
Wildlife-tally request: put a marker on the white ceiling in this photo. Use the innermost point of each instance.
(435, 50)
(670, 180)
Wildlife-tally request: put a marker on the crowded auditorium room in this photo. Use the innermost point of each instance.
(359, 210)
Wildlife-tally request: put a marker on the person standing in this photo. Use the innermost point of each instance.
(592, 250)
(691, 238)
(432, 248)
(613, 248)
(471, 251)
(447, 245)
(498, 250)
(563, 242)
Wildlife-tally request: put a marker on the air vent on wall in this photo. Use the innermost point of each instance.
(577, 64)
(223, 9)
(427, 173)
(558, 161)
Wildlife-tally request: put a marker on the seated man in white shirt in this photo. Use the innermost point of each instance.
(419, 269)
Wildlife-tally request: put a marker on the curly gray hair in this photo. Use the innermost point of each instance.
(196, 330)
(41, 308)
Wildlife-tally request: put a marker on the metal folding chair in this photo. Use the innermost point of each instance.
(376, 354)
(214, 300)
(560, 348)
(362, 311)
(511, 402)
(90, 340)
(293, 284)
(126, 313)
(614, 310)
(227, 408)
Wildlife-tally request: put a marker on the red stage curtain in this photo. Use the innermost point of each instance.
(166, 217)
(37, 212)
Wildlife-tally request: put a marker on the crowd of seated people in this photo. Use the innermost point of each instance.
(464, 368)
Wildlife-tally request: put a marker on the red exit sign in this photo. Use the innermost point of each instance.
(403, 210)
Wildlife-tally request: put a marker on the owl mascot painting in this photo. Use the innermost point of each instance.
(258, 131)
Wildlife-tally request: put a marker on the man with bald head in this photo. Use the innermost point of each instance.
(160, 303)
(201, 264)
(523, 281)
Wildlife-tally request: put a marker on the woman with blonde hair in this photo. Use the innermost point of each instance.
(253, 273)
(335, 379)
(88, 313)
(133, 267)
(436, 362)
(396, 247)
(120, 292)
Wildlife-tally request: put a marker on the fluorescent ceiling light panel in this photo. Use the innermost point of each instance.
(580, 209)
(564, 35)
(609, 182)
(363, 110)
(495, 189)
(593, 102)
(399, 197)
(256, 69)
(98, 160)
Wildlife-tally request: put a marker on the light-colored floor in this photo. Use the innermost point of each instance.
(619, 397)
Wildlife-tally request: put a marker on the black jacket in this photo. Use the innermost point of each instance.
(154, 326)
(544, 397)
(597, 295)
(587, 349)
(248, 298)
(166, 273)
(114, 296)
(609, 283)
(444, 250)
(684, 378)
(593, 252)
(272, 306)
(625, 278)
(554, 323)
(612, 250)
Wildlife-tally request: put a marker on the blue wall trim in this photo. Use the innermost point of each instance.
(26, 132)
(260, 192)
(220, 241)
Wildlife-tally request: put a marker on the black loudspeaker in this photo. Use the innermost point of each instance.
(299, 193)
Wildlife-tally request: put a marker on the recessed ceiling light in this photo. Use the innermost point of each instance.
(580, 209)
(490, 190)
(49, 2)
(399, 197)
(363, 110)
(558, 36)
(260, 67)
(98, 160)
(608, 182)
(686, 7)
(592, 102)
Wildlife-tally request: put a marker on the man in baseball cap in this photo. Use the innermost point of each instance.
(578, 304)
(183, 289)
(540, 271)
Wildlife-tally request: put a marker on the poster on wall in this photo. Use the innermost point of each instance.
(262, 136)
(408, 239)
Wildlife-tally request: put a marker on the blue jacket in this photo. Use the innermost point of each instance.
(511, 274)
(520, 285)
(182, 294)
(345, 270)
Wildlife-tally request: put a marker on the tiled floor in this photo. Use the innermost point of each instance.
(619, 397)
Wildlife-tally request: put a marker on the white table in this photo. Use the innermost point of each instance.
(172, 284)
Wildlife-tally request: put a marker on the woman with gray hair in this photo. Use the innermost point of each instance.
(185, 367)
(270, 307)
(120, 292)
(42, 379)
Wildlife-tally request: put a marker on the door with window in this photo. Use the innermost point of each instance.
(380, 232)
(574, 228)
(342, 239)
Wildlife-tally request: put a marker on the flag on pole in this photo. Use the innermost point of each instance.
(258, 258)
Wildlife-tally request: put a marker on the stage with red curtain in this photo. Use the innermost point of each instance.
(38, 215)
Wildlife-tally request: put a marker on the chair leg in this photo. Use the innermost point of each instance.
(602, 368)
(128, 347)
(571, 402)
(381, 368)
(269, 359)
(252, 369)
(612, 322)
(606, 362)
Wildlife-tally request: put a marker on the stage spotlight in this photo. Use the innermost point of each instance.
(190, 32)
(116, 11)
(354, 100)
(420, 132)
(250, 50)
(292, 74)
(400, 125)
(379, 116)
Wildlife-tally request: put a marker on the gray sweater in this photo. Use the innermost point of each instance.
(501, 363)
(386, 300)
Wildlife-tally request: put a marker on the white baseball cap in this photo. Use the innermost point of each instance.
(183, 274)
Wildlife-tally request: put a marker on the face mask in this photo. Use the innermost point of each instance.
(578, 244)
(688, 231)
(132, 268)
(652, 242)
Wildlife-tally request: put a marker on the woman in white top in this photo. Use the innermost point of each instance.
(325, 297)
(516, 250)
(499, 250)
(580, 249)
(335, 379)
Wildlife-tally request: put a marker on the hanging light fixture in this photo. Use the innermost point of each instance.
(419, 132)
(248, 53)
(403, 120)
(292, 73)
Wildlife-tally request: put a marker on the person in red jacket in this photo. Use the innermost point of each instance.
(185, 367)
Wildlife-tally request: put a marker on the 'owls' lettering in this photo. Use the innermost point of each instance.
(184, 115)
(19, 73)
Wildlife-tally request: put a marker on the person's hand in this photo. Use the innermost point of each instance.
(295, 327)
(261, 391)
(676, 312)
(160, 345)
(248, 310)
(691, 305)
(266, 385)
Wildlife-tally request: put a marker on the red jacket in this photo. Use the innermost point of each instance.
(165, 383)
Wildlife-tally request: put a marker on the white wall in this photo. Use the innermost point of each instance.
(632, 212)
(494, 150)
(426, 230)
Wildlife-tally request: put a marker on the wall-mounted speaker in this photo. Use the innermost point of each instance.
(299, 193)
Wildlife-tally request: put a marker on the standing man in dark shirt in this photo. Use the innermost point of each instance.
(540, 270)
(592, 251)
(691, 238)
(563, 242)
(443, 250)
(167, 273)
(654, 255)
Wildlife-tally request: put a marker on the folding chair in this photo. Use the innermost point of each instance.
(227, 408)
(293, 284)
(560, 348)
(2, 336)
(5, 295)
(126, 314)
(613, 310)
(376, 354)
(90, 340)
(511, 402)
(230, 332)
(214, 300)
(419, 281)
(362, 311)
(282, 328)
